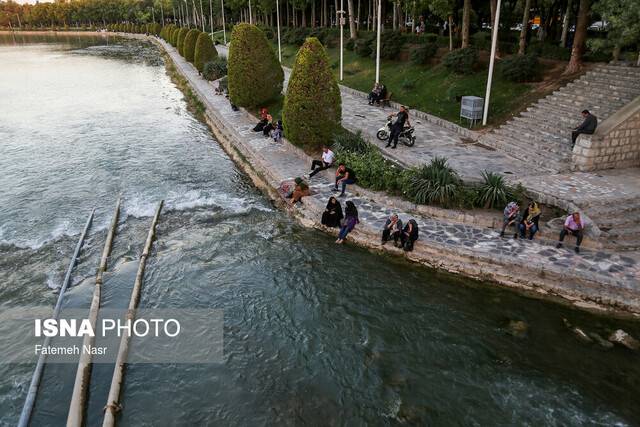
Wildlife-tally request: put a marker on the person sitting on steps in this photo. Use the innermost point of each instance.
(278, 132)
(409, 235)
(344, 176)
(327, 161)
(374, 95)
(530, 219)
(266, 131)
(299, 191)
(350, 221)
(588, 126)
(332, 214)
(392, 230)
(573, 225)
(510, 217)
(402, 117)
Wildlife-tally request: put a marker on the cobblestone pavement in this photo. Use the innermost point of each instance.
(285, 163)
(588, 192)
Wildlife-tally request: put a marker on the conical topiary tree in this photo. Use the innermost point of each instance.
(189, 45)
(312, 107)
(205, 51)
(181, 36)
(254, 73)
(174, 36)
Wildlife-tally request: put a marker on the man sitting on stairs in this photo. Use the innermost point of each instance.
(588, 126)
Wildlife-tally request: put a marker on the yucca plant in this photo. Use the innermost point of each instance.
(435, 183)
(493, 192)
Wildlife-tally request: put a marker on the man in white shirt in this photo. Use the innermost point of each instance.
(327, 161)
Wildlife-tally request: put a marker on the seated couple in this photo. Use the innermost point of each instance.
(268, 127)
(402, 237)
(333, 217)
(525, 224)
(377, 94)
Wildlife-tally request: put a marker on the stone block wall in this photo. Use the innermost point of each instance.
(614, 145)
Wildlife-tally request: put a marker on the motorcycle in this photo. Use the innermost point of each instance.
(406, 136)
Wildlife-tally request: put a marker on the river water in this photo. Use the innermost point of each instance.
(314, 334)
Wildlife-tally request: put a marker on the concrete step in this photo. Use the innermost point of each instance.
(547, 134)
(573, 108)
(551, 118)
(610, 78)
(593, 98)
(549, 128)
(619, 70)
(619, 87)
(537, 141)
(519, 150)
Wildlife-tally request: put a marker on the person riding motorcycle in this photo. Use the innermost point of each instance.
(402, 117)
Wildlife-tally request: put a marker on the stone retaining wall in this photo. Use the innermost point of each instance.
(614, 145)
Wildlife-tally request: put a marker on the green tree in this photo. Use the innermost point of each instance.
(312, 108)
(623, 17)
(255, 75)
(182, 34)
(190, 44)
(205, 51)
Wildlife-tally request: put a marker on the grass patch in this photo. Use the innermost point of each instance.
(432, 89)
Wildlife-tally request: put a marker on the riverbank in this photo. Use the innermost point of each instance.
(593, 280)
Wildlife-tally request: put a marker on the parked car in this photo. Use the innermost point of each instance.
(599, 26)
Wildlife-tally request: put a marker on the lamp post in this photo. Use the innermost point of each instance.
(211, 16)
(341, 17)
(224, 31)
(494, 42)
(202, 15)
(278, 24)
(378, 41)
(250, 15)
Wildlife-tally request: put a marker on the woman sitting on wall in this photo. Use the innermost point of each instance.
(333, 213)
(350, 221)
(264, 114)
(300, 190)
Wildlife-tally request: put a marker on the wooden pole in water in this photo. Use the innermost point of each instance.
(113, 406)
(27, 409)
(75, 418)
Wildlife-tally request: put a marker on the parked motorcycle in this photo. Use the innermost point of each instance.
(406, 136)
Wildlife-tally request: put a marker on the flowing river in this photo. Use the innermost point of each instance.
(314, 334)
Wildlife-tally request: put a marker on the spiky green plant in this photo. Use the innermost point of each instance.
(435, 183)
(493, 192)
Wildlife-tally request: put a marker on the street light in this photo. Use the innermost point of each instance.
(494, 42)
(224, 31)
(341, 16)
(278, 24)
(250, 16)
(378, 42)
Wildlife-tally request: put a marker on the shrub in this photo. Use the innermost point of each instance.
(520, 68)
(350, 44)
(254, 73)
(391, 43)
(174, 36)
(182, 34)
(422, 54)
(435, 183)
(155, 29)
(374, 171)
(549, 51)
(189, 47)
(461, 61)
(268, 32)
(363, 47)
(493, 192)
(312, 108)
(205, 52)
(481, 40)
(215, 69)
(347, 142)
(430, 38)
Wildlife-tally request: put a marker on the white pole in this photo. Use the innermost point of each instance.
(211, 16)
(341, 14)
(278, 23)
(494, 42)
(250, 15)
(378, 42)
(224, 31)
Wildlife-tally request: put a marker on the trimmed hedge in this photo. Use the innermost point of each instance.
(313, 107)
(391, 43)
(461, 61)
(205, 51)
(182, 34)
(189, 47)
(520, 68)
(421, 55)
(215, 69)
(174, 36)
(254, 73)
(155, 29)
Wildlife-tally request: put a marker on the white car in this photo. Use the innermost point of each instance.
(599, 26)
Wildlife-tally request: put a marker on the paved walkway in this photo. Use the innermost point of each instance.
(584, 191)
(610, 276)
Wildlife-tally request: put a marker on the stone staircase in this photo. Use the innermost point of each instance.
(541, 135)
